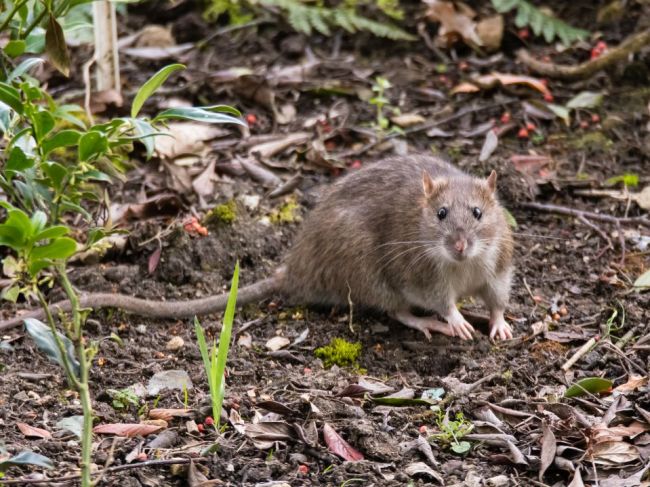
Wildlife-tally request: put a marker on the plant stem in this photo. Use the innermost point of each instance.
(17, 7)
(36, 21)
(84, 369)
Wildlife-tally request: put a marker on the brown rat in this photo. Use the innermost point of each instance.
(402, 233)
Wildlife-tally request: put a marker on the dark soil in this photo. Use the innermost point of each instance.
(567, 285)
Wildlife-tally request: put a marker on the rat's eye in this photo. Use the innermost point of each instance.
(476, 211)
(442, 213)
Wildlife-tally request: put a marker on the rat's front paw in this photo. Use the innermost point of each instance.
(500, 328)
(459, 327)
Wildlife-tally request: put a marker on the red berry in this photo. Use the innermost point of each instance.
(548, 97)
(505, 118)
(303, 469)
(595, 118)
(584, 124)
(463, 65)
(200, 427)
(142, 457)
(251, 119)
(330, 145)
(356, 164)
(306, 371)
(423, 429)
(601, 46)
(531, 126)
(523, 133)
(524, 33)
(208, 421)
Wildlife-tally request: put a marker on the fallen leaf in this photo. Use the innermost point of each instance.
(643, 281)
(633, 480)
(169, 379)
(271, 148)
(182, 138)
(633, 383)
(406, 120)
(204, 183)
(155, 35)
(453, 23)
(643, 198)
(277, 342)
(264, 435)
(158, 53)
(154, 260)
(493, 79)
(577, 479)
(421, 468)
(33, 432)
(339, 446)
(489, 145)
(530, 165)
(490, 31)
(259, 173)
(593, 385)
(128, 430)
(585, 99)
(549, 447)
(613, 453)
(169, 413)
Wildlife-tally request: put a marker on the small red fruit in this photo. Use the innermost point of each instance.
(531, 126)
(524, 33)
(548, 97)
(208, 421)
(595, 118)
(251, 119)
(200, 427)
(303, 469)
(306, 371)
(506, 117)
(356, 164)
(142, 457)
(463, 65)
(523, 133)
(584, 124)
(423, 429)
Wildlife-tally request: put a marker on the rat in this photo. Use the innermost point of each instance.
(404, 233)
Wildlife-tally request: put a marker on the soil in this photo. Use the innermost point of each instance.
(566, 287)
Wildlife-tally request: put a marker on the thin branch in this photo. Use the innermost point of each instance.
(563, 210)
(587, 69)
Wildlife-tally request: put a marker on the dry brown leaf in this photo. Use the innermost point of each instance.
(204, 183)
(549, 447)
(158, 53)
(155, 36)
(491, 80)
(339, 446)
(126, 429)
(406, 120)
(531, 165)
(614, 453)
(33, 432)
(634, 382)
(167, 414)
(269, 149)
(264, 435)
(186, 138)
(453, 23)
(277, 342)
(490, 31)
(643, 198)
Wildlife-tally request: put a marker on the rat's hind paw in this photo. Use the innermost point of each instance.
(461, 328)
(499, 328)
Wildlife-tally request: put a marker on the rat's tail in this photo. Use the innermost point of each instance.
(156, 309)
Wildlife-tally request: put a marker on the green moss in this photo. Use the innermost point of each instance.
(592, 141)
(225, 213)
(339, 352)
(286, 213)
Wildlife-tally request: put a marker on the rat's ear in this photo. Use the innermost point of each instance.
(431, 186)
(492, 181)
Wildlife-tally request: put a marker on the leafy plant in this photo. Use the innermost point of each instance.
(214, 363)
(452, 431)
(380, 101)
(122, 398)
(541, 22)
(628, 179)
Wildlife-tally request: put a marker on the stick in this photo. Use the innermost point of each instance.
(579, 354)
(585, 70)
(563, 210)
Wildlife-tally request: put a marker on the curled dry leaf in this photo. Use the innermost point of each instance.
(259, 173)
(339, 446)
(489, 145)
(490, 31)
(271, 148)
(549, 447)
(406, 120)
(277, 342)
(181, 138)
(421, 468)
(33, 432)
(167, 414)
(158, 53)
(128, 430)
(613, 453)
(493, 79)
(453, 23)
(265, 435)
(633, 383)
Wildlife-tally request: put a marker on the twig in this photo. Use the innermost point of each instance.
(118, 468)
(563, 210)
(585, 70)
(599, 231)
(621, 241)
(582, 351)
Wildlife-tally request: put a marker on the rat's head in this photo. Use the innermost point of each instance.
(461, 216)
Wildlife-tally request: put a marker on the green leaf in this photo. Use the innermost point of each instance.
(65, 138)
(144, 133)
(15, 48)
(11, 293)
(12, 237)
(92, 144)
(59, 248)
(52, 232)
(44, 339)
(628, 179)
(56, 173)
(24, 67)
(585, 99)
(198, 114)
(643, 281)
(18, 161)
(151, 85)
(19, 220)
(43, 123)
(38, 222)
(55, 46)
(503, 6)
(26, 458)
(561, 112)
(593, 385)
(461, 447)
(400, 401)
(510, 219)
(11, 97)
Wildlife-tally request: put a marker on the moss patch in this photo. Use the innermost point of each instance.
(339, 352)
(225, 213)
(286, 213)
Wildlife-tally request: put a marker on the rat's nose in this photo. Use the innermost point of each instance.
(461, 245)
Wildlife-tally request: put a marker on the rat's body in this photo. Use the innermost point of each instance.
(401, 233)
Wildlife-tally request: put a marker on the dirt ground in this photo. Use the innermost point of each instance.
(568, 283)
